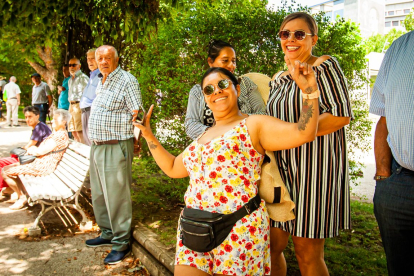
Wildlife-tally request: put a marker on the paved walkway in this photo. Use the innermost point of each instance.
(51, 256)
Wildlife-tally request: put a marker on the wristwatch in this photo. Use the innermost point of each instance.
(380, 177)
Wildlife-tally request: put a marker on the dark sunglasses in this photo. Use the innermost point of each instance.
(73, 65)
(299, 34)
(209, 89)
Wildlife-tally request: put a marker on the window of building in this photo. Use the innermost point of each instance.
(406, 11)
(388, 24)
(391, 13)
(395, 23)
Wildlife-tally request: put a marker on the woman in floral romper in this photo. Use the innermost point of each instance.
(224, 168)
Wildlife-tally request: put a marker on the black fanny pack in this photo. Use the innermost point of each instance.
(203, 231)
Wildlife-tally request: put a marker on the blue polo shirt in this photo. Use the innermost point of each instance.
(63, 102)
(40, 132)
(89, 92)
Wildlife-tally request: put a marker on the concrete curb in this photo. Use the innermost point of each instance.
(148, 240)
(154, 267)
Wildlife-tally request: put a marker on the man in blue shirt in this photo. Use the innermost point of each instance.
(89, 94)
(393, 99)
(63, 102)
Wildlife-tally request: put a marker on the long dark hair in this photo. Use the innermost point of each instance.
(221, 71)
(214, 48)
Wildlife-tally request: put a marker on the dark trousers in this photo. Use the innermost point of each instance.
(394, 210)
(44, 109)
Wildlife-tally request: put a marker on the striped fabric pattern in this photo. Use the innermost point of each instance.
(250, 102)
(316, 173)
(393, 98)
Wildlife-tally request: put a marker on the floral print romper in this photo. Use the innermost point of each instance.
(223, 177)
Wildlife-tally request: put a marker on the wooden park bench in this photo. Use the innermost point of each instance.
(61, 188)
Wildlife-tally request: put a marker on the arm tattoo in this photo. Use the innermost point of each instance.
(305, 115)
(152, 145)
(308, 90)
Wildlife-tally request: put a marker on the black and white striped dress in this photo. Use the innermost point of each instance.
(316, 173)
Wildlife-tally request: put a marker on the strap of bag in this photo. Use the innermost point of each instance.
(56, 151)
(247, 209)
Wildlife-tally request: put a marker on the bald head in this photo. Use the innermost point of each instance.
(13, 79)
(107, 58)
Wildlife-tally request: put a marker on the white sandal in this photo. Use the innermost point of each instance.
(19, 204)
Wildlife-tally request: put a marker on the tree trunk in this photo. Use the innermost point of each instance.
(49, 71)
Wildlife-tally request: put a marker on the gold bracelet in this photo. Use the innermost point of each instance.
(315, 94)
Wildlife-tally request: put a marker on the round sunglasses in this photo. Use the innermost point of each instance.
(299, 34)
(209, 89)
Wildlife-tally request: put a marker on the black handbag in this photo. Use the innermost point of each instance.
(203, 231)
(18, 151)
(26, 159)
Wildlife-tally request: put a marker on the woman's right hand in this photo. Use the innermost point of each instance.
(303, 75)
(145, 127)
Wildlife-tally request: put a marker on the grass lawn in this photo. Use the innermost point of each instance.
(157, 203)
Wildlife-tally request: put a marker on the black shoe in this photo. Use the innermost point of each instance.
(10, 125)
(16, 125)
(96, 242)
(116, 256)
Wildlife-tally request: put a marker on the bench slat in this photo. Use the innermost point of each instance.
(81, 149)
(79, 165)
(28, 186)
(71, 171)
(47, 188)
(60, 186)
(68, 162)
(78, 157)
(71, 182)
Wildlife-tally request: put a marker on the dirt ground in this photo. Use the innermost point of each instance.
(60, 250)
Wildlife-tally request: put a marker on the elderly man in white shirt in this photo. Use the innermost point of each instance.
(13, 101)
(77, 84)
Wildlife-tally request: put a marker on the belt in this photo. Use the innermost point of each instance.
(109, 142)
(14, 98)
(75, 102)
(86, 109)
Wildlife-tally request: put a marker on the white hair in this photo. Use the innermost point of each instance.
(13, 79)
(64, 114)
(106, 47)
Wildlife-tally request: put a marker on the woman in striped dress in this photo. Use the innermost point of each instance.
(199, 116)
(316, 173)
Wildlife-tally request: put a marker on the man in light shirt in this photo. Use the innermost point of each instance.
(77, 84)
(13, 101)
(393, 99)
(89, 94)
(41, 97)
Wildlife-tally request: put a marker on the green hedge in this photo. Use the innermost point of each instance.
(174, 59)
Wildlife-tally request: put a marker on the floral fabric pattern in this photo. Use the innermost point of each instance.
(223, 177)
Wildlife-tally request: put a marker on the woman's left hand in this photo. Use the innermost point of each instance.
(145, 126)
(303, 74)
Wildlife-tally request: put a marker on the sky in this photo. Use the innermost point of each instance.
(302, 2)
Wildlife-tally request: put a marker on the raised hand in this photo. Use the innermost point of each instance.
(303, 74)
(145, 126)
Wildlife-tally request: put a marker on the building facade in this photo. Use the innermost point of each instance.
(395, 13)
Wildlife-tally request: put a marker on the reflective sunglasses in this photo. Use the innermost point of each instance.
(299, 34)
(73, 65)
(209, 89)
